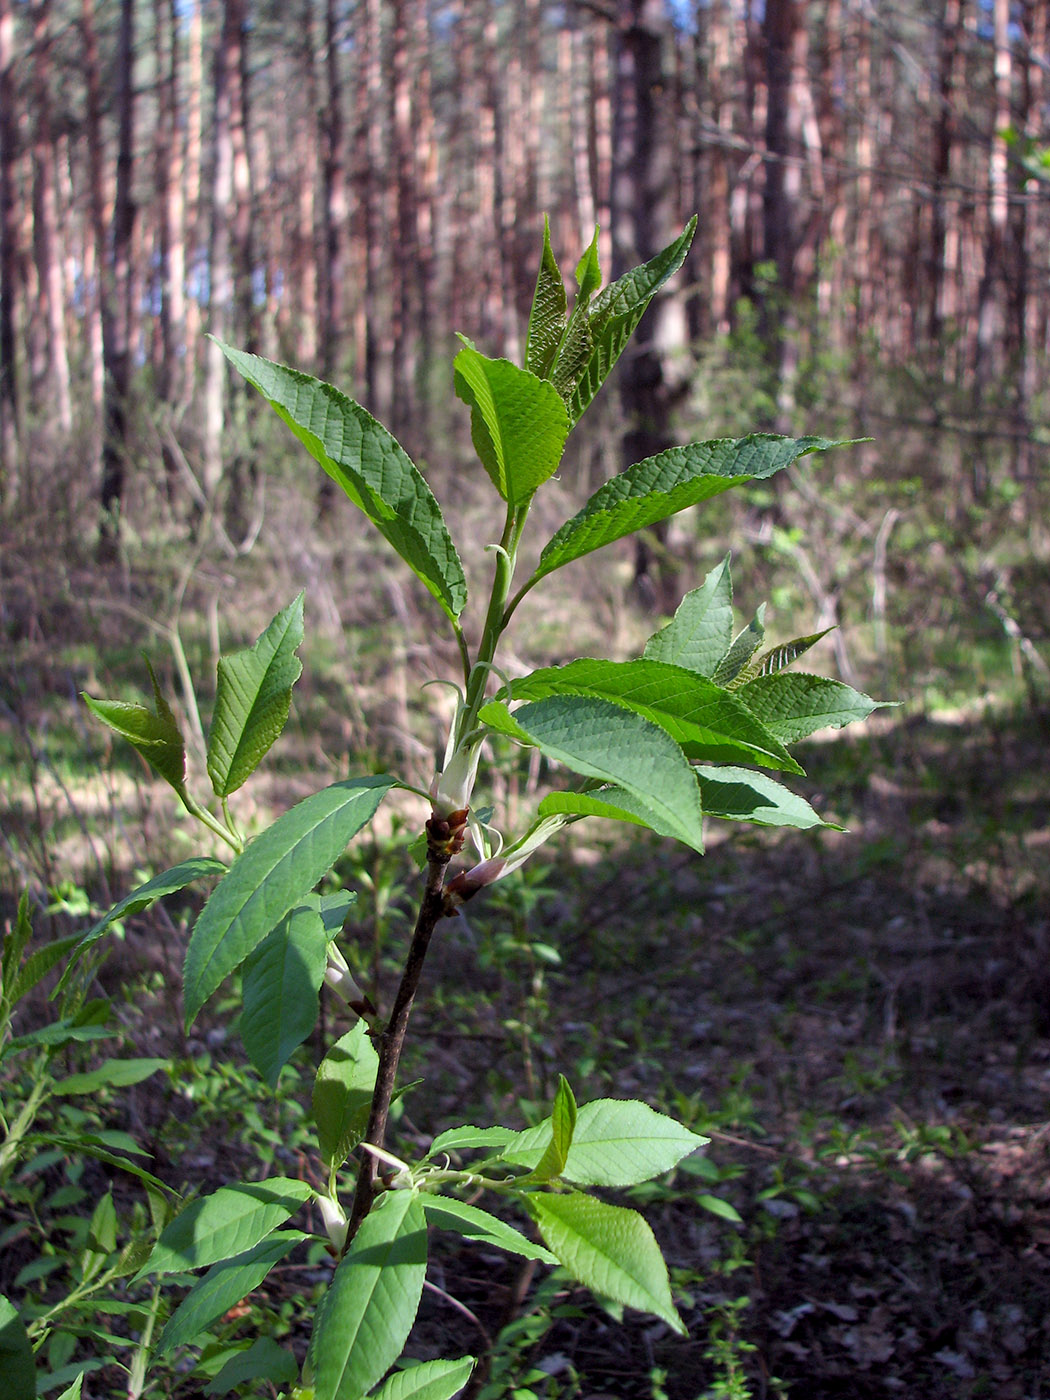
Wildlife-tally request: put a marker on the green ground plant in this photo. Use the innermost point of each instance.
(690, 729)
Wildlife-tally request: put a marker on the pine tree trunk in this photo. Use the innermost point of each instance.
(644, 218)
(56, 389)
(9, 404)
(116, 292)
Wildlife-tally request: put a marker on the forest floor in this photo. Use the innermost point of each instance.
(860, 1021)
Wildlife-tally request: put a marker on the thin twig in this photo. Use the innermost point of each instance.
(432, 907)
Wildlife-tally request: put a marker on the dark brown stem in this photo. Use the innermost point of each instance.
(432, 907)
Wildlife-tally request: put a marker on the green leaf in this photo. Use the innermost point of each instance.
(59, 1032)
(102, 1231)
(465, 1138)
(562, 1124)
(226, 1223)
(659, 486)
(609, 1249)
(547, 315)
(792, 706)
(263, 1360)
(342, 1094)
(718, 1207)
(169, 882)
(701, 631)
(431, 1380)
(14, 943)
(154, 733)
(39, 964)
(518, 422)
(280, 985)
(252, 700)
(607, 801)
(366, 1315)
(88, 1145)
(777, 658)
(707, 721)
(110, 1074)
(371, 467)
(223, 1286)
(603, 740)
(738, 795)
(446, 1213)
(589, 271)
(617, 1142)
(611, 320)
(72, 1392)
(16, 1355)
(279, 867)
(745, 644)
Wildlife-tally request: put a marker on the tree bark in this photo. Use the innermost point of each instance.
(56, 388)
(9, 401)
(114, 268)
(644, 217)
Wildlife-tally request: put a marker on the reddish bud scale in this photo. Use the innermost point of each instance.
(446, 835)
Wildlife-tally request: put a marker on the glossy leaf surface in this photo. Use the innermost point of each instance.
(431, 1380)
(448, 1213)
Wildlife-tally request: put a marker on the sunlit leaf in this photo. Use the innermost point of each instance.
(431, 1380)
(617, 1142)
(367, 1313)
(280, 866)
(706, 720)
(280, 990)
(252, 699)
(372, 468)
(609, 321)
(701, 631)
(223, 1286)
(168, 882)
(518, 422)
(744, 646)
(154, 733)
(794, 705)
(609, 1249)
(547, 316)
(659, 486)
(226, 1223)
(599, 739)
(447, 1213)
(768, 663)
(342, 1094)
